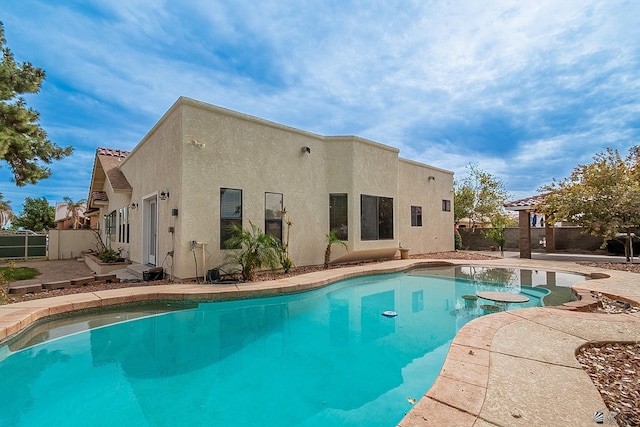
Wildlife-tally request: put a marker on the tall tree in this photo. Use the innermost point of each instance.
(498, 231)
(37, 215)
(23, 143)
(603, 197)
(478, 196)
(6, 213)
(74, 209)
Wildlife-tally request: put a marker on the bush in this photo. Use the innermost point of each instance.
(109, 255)
(458, 239)
(251, 250)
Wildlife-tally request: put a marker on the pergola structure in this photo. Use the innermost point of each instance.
(524, 207)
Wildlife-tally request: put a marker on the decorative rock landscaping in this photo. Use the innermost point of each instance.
(17, 288)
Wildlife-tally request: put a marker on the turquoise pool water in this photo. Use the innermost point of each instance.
(323, 358)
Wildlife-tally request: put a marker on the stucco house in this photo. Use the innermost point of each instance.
(169, 202)
(64, 219)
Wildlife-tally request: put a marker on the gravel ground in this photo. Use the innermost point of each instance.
(633, 268)
(614, 367)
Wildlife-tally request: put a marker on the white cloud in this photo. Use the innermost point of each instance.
(523, 89)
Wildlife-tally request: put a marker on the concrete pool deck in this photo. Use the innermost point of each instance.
(513, 368)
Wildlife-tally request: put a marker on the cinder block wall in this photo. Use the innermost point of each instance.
(567, 239)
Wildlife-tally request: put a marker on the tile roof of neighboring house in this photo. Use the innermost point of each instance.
(110, 159)
(526, 203)
(99, 196)
(112, 152)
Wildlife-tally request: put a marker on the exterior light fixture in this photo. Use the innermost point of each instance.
(431, 178)
(164, 194)
(133, 206)
(306, 150)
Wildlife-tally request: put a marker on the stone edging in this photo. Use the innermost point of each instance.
(63, 284)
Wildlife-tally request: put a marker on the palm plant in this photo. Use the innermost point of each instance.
(252, 250)
(6, 213)
(332, 239)
(73, 210)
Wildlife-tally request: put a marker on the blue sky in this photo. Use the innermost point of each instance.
(525, 89)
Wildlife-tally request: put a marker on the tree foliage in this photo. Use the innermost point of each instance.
(37, 215)
(23, 143)
(457, 237)
(497, 232)
(603, 197)
(478, 196)
(6, 213)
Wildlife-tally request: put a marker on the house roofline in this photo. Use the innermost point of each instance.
(190, 102)
(413, 162)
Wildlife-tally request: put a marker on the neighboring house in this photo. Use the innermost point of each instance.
(469, 223)
(201, 168)
(64, 219)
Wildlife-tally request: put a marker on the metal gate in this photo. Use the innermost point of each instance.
(23, 246)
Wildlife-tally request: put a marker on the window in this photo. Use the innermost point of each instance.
(376, 218)
(123, 225)
(273, 214)
(416, 216)
(110, 223)
(338, 221)
(446, 205)
(230, 212)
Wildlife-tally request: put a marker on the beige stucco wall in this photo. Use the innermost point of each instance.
(375, 173)
(416, 189)
(255, 157)
(68, 244)
(155, 165)
(196, 149)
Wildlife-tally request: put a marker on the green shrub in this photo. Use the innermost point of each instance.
(458, 239)
(251, 250)
(285, 261)
(109, 255)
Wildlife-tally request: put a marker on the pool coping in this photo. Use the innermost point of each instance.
(492, 376)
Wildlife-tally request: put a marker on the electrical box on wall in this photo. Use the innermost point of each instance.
(174, 212)
(171, 229)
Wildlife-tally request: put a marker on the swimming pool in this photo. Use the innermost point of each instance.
(325, 357)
